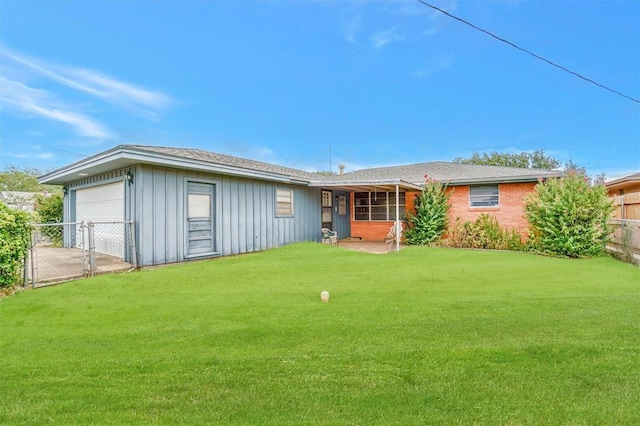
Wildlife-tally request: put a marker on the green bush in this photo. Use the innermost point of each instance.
(49, 210)
(484, 233)
(14, 244)
(430, 220)
(569, 217)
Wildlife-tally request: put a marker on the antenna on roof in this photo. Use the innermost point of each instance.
(330, 165)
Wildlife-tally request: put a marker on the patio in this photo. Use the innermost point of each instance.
(375, 247)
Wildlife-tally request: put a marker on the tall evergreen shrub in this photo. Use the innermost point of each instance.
(429, 222)
(569, 217)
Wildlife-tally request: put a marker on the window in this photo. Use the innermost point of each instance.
(377, 206)
(284, 202)
(342, 205)
(327, 209)
(199, 205)
(484, 196)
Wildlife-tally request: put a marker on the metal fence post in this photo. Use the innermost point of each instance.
(132, 240)
(32, 258)
(92, 248)
(83, 245)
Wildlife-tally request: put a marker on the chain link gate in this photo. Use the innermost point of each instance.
(65, 251)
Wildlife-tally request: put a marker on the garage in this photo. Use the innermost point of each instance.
(104, 206)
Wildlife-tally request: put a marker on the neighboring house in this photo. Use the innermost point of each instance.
(19, 200)
(625, 193)
(189, 203)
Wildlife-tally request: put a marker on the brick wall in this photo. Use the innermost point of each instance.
(510, 212)
(376, 231)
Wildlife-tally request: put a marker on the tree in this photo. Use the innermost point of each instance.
(429, 222)
(527, 160)
(24, 180)
(569, 217)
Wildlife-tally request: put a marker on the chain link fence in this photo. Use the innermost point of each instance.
(65, 251)
(625, 240)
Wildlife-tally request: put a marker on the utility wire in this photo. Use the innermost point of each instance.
(528, 51)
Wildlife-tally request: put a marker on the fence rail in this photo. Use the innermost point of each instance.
(625, 240)
(64, 251)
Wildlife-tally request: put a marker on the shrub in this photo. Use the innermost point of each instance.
(430, 220)
(484, 233)
(14, 243)
(569, 217)
(49, 210)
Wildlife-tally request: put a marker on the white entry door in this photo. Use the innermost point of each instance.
(103, 203)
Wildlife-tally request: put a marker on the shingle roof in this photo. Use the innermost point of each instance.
(228, 160)
(410, 175)
(450, 172)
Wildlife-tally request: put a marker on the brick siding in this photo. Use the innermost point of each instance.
(510, 212)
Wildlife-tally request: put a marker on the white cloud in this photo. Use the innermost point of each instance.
(18, 97)
(127, 96)
(383, 38)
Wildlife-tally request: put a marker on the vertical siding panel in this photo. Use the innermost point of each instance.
(172, 224)
(181, 209)
(298, 215)
(269, 215)
(249, 215)
(242, 216)
(257, 225)
(147, 237)
(263, 216)
(226, 216)
(233, 192)
(159, 215)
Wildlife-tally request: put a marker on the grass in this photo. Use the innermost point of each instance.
(425, 336)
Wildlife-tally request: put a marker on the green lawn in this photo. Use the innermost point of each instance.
(425, 336)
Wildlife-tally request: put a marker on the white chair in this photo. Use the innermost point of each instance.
(329, 236)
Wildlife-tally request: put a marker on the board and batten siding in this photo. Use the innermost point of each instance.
(244, 214)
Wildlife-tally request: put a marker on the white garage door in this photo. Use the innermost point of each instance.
(104, 203)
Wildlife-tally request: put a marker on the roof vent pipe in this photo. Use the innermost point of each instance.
(341, 167)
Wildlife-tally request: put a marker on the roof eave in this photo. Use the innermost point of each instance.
(360, 185)
(121, 157)
(501, 179)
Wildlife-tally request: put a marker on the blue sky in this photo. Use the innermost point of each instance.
(314, 84)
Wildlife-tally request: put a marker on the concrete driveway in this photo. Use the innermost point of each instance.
(53, 265)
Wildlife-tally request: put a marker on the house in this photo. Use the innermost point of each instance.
(20, 200)
(188, 203)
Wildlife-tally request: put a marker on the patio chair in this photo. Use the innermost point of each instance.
(329, 236)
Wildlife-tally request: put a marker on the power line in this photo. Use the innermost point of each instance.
(527, 51)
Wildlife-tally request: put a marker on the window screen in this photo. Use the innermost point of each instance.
(284, 202)
(484, 196)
